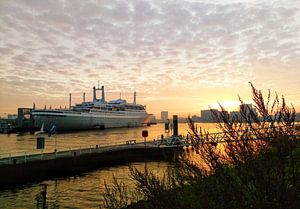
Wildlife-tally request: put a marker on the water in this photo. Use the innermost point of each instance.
(16, 143)
(85, 190)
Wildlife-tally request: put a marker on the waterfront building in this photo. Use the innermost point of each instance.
(164, 116)
(182, 120)
(151, 119)
(247, 108)
(196, 118)
(247, 111)
(209, 115)
(235, 114)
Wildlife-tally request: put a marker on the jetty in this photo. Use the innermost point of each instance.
(36, 166)
(40, 165)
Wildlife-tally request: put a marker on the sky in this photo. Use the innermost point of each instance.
(178, 55)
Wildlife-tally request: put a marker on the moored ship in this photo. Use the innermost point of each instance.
(96, 114)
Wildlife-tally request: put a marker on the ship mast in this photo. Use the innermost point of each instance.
(134, 97)
(94, 94)
(103, 96)
(70, 100)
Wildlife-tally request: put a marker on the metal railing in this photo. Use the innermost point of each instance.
(24, 157)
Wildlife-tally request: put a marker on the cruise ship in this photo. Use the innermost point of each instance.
(96, 114)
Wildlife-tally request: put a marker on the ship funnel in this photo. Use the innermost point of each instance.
(134, 97)
(94, 94)
(103, 96)
(83, 97)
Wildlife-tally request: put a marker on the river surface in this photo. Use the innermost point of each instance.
(84, 190)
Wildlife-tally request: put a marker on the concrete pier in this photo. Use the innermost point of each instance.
(37, 167)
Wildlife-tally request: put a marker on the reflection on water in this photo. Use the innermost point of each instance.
(82, 191)
(27, 143)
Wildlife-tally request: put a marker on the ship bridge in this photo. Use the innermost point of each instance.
(118, 101)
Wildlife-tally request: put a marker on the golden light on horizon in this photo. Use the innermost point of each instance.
(182, 57)
(228, 105)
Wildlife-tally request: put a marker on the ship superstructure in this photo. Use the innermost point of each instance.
(95, 114)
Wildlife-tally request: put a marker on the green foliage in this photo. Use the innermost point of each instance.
(258, 166)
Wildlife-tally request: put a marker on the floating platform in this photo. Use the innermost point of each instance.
(40, 166)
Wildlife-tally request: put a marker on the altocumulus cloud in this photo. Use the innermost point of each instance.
(136, 44)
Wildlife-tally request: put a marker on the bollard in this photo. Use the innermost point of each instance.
(175, 125)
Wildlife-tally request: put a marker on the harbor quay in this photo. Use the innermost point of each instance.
(18, 169)
(25, 167)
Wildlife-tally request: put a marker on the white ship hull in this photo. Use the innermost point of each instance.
(72, 120)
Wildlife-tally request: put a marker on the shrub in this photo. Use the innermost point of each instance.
(252, 163)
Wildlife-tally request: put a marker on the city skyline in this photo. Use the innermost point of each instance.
(179, 56)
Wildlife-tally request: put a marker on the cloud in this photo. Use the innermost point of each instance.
(152, 44)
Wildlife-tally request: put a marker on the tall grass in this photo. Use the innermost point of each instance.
(259, 163)
(257, 166)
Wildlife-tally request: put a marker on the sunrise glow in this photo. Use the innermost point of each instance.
(180, 56)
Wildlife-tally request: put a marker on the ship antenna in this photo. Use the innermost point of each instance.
(98, 85)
